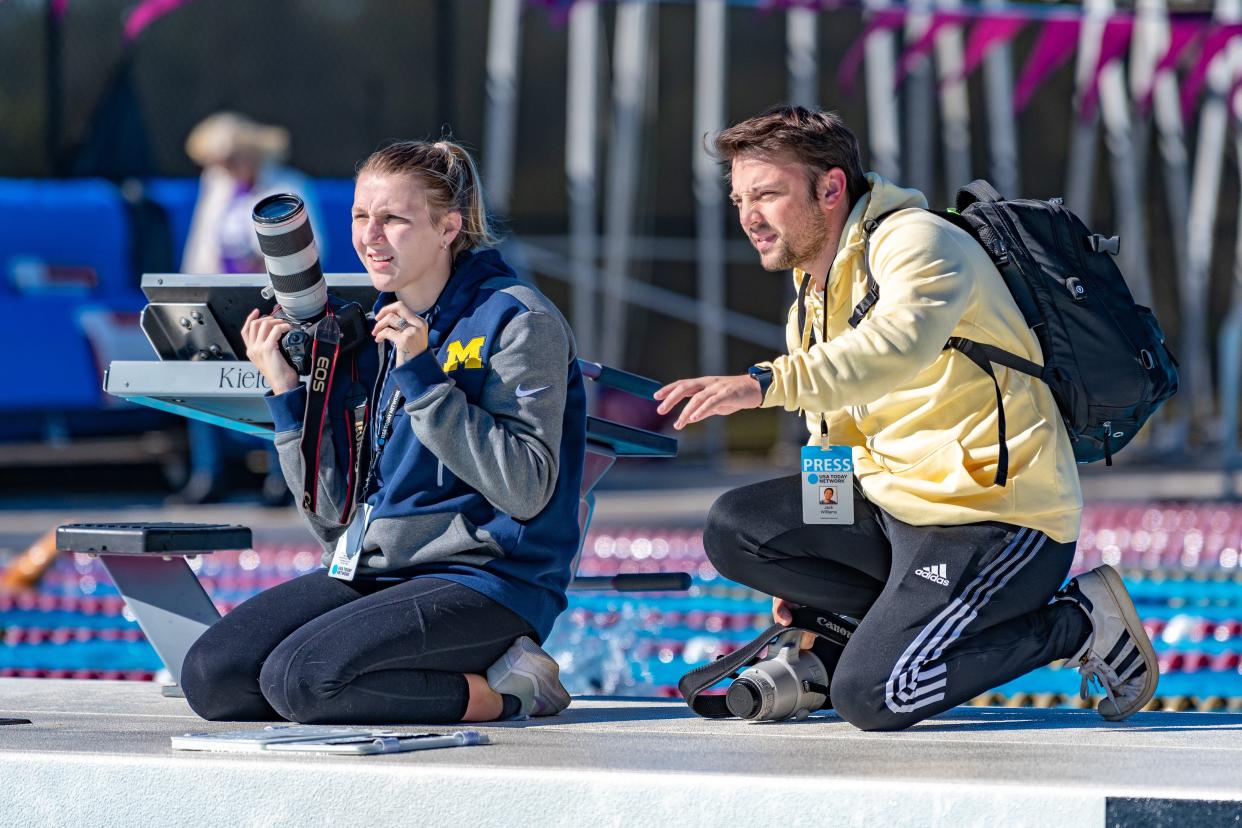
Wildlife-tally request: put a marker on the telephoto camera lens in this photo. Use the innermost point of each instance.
(288, 244)
(790, 684)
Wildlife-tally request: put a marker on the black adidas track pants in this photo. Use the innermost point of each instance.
(946, 612)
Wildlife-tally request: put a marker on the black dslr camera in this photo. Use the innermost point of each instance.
(302, 299)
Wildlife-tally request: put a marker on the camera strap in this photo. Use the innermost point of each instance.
(827, 625)
(323, 368)
(357, 406)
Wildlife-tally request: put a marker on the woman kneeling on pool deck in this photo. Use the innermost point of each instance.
(477, 427)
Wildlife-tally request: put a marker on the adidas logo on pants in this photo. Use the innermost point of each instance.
(937, 574)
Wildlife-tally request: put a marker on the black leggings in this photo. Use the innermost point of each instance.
(319, 650)
(947, 612)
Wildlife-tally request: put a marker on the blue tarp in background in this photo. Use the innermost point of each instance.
(89, 241)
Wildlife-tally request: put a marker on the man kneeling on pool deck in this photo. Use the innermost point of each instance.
(955, 578)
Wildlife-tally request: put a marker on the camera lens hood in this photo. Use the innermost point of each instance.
(276, 209)
(290, 255)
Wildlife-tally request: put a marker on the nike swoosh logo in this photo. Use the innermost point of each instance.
(526, 392)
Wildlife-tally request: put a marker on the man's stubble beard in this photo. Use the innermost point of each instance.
(797, 250)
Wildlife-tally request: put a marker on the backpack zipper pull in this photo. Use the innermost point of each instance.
(1108, 451)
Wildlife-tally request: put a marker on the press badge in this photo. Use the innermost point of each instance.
(827, 485)
(349, 546)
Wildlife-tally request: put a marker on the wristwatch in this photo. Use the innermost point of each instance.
(761, 375)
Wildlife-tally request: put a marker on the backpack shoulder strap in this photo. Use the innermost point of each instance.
(994, 354)
(873, 287)
(978, 353)
(983, 356)
(974, 352)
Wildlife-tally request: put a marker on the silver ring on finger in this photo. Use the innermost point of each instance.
(403, 324)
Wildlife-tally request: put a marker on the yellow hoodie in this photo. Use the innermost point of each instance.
(923, 420)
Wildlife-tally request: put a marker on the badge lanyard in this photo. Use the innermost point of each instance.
(823, 337)
(827, 471)
(349, 546)
(384, 429)
(344, 564)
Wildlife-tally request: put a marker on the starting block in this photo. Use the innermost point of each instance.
(147, 562)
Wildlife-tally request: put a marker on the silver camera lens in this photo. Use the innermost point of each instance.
(291, 256)
(780, 686)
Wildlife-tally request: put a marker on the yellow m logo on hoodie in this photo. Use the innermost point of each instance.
(468, 356)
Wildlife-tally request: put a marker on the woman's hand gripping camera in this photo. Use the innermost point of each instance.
(262, 337)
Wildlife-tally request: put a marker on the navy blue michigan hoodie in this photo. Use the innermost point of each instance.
(479, 480)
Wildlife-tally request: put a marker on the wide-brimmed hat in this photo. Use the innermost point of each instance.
(227, 135)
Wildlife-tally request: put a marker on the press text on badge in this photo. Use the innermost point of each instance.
(827, 464)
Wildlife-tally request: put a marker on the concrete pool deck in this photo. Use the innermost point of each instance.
(97, 752)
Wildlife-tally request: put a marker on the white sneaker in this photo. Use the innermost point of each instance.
(1118, 655)
(530, 674)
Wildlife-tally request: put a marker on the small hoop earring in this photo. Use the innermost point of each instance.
(444, 247)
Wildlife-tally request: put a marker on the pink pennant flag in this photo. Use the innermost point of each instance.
(146, 13)
(1183, 31)
(1218, 38)
(925, 43)
(1056, 44)
(883, 20)
(1113, 44)
(990, 31)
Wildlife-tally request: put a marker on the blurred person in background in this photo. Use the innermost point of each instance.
(242, 163)
(954, 571)
(456, 561)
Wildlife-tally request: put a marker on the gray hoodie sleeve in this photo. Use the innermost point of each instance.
(508, 446)
(324, 521)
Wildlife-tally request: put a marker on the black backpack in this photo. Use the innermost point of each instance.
(1105, 360)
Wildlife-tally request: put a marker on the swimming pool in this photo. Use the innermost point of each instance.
(1180, 562)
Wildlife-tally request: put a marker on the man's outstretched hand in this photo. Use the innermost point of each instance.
(709, 396)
